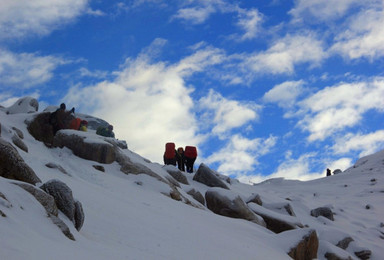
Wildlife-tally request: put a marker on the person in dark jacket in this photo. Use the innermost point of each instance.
(60, 118)
(329, 172)
(180, 159)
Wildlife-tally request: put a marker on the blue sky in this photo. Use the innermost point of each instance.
(262, 88)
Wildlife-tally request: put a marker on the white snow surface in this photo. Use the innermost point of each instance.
(125, 220)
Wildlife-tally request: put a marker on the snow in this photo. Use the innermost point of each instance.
(129, 217)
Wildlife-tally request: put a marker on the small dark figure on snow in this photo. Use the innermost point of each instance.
(170, 154)
(329, 172)
(180, 159)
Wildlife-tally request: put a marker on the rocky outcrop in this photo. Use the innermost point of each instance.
(18, 132)
(16, 140)
(206, 176)
(40, 128)
(275, 222)
(364, 254)
(44, 198)
(197, 196)
(176, 174)
(24, 105)
(12, 166)
(322, 211)
(63, 227)
(226, 203)
(65, 201)
(303, 243)
(98, 151)
(255, 198)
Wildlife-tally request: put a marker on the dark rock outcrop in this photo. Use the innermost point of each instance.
(322, 211)
(40, 128)
(24, 105)
(18, 132)
(176, 174)
(364, 254)
(12, 166)
(275, 222)
(197, 196)
(343, 244)
(206, 176)
(63, 227)
(99, 168)
(255, 198)
(65, 201)
(44, 198)
(226, 203)
(305, 243)
(16, 140)
(101, 152)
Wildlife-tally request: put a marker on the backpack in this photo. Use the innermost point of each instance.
(170, 150)
(190, 151)
(75, 124)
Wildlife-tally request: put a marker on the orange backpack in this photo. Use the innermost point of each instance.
(75, 124)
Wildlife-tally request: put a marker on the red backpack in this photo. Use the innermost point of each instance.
(75, 124)
(170, 150)
(190, 151)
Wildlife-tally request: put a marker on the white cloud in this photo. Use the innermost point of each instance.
(227, 114)
(148, 103)
(332, 109)
(366, 144)
(241, 154)
(285, 94)
(249, 21)
(195, 15)
(287, 52)
(20, 18)
(324, 10)
(364, 37)
(25, 70)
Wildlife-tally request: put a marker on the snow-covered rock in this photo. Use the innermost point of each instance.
(24, 105)
(206, 176)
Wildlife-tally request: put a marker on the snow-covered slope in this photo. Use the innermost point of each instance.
(128, 217)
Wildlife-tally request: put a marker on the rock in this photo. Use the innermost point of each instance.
(79, 215)
(63, 197)
(255, 198)
(40, 128)
(99, 168)
(18, 132)
(63, 227)
(322, 211)
(333, 256)
(226, 203)
(337, 171)
(12, 166)
(206, 176)
(56, 166)
(19, 143)
(304, 243)
(176, 174)
(197, 196)
(119, 143)
(343, 244)
(24, 105)
(364, 254)
(275, 222)
(2, 214)
(45, 199)
(282, 208)
(100, 151)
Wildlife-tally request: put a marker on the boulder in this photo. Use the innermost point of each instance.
(12, 165)
(40, 128)
(281, 207)
(301, 244)
(206, 176)
(63, 227)
(63, 197)
(333, 256)
(19, 143)
(197, 196)
(98, 151)
(44, 198)
(226, 203)
(275, 222)
(99, 168)
(79, 215)
(343, 244)
(58, 167)
(24, 105)
(322, 211)
(18, 132)
(364, 254)
(176, 174)
(255, 198)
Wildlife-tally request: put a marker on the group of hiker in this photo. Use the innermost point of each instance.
(63, 119)
(183, 158)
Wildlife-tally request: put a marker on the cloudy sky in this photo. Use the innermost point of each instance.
(263, 88)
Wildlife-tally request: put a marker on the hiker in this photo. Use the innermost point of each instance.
(170, 154)
(60, 118)
(190, 157)
(83, 125)
(329, 172)
(180, 159)
(105, 131)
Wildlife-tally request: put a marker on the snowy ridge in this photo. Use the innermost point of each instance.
(128, 216)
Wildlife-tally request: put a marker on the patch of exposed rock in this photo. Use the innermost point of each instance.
(176, 174)
(197, 196)
(322, 211)
(226, 203)
(58, 167)
(40, 128)
(16, 140)
(12, 165)
(206, 176)
(303, 243)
